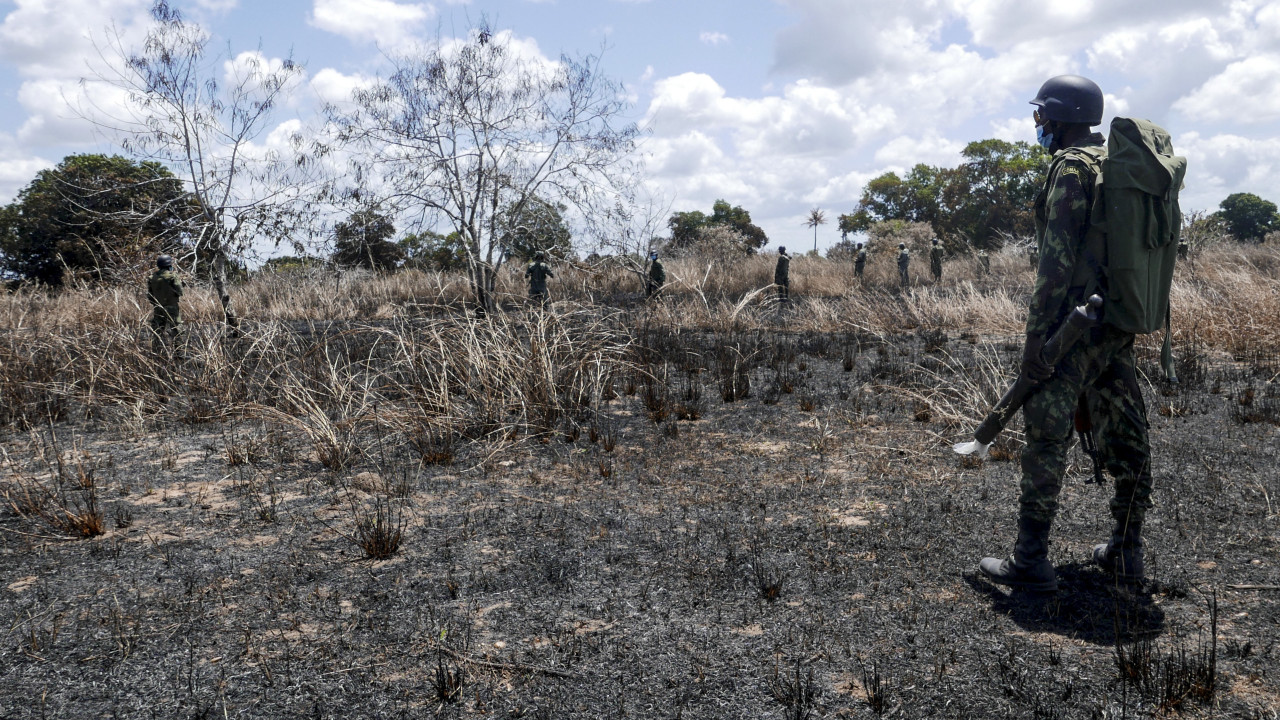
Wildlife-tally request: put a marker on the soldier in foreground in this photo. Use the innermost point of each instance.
(782, 274)
(164, 290)
(656, 278)
(860, 261)
(1101, 367)
(537, 273)
(904, 265)
(935, 260)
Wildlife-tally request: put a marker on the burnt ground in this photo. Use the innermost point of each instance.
(809, 553)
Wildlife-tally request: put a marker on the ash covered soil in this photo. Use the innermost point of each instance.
(808, 551)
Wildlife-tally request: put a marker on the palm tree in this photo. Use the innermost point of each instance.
(816, 218)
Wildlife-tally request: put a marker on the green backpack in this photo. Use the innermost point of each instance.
(1135, 225)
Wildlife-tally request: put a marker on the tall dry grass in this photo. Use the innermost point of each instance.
(333, 354)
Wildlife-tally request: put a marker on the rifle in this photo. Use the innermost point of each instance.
(1078, 322)
(1084, 426)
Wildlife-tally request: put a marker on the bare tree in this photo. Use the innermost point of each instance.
(465, 133)
(180, 114)
(632, 229)
(816, 218)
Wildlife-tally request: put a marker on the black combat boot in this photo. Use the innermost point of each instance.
(1028, 568)
(1122, 555)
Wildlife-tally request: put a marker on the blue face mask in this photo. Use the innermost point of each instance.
(1044, 138)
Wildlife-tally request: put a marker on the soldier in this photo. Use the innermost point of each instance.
(656, 278)
(1102, 368)
(984, 262)
(860, 261)
(164, 290)
(935, 260)
(782, 274)
(1033, 256)
(904, 263)
(537, 273)
(1183, 249)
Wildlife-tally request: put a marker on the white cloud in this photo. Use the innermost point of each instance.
(1221, 164)
(1244, 92)
(333, 87)
(713, 38)
(53, 38)
(388, 23)
(220, 6)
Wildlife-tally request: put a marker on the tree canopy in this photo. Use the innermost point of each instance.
(990, 195)
(545, 228)
(94, 215)
(1248, 217)
(688, 228)
(364, 240)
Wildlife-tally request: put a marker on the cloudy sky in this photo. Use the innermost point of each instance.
(779, 106)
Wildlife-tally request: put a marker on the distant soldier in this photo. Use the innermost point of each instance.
(1183, 249)
(537, 273)
(1033, 255)
(860, 261)
(164, 290)
(656, 278)
(984, 262)
(904, 264)
(782, 274)
(935, 260)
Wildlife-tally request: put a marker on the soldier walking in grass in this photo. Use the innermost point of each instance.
(860, 261)
(656, 278)
(935, 260)
(782, 274)
(984, 262)
(537, 273)
(164, 290)
(904, 265)
(1097, 376)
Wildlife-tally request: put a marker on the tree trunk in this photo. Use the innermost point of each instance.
(482, 288)
(224, 295)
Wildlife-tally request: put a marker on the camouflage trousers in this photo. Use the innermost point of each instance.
(1102, 369)
(166, 324)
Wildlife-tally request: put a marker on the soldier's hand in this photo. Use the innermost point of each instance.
(1033, 363)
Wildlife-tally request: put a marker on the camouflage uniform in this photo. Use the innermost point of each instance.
(860, 262)
(537, 273)
(935, 262)
(656, 279)
(984, 261)
(1101, 368)
(904, 263)
(164, 290)
(782, 275)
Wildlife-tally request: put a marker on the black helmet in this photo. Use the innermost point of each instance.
(164, 262)
(902, 246)
(1070, 99)
(782, 249)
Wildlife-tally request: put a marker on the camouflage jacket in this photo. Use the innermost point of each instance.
(538, 272)
(782, 271)
(657, 275)
(1062, 222)
(935, 258)
(164, 289)
(904, 259)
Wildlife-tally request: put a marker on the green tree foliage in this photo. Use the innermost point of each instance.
(432, 251)
(1248, 217)
(96, 216)
(987, 197)
(546, 228)
(364, 240)
(689, 228)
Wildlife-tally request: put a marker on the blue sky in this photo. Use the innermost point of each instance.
(776, 105)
